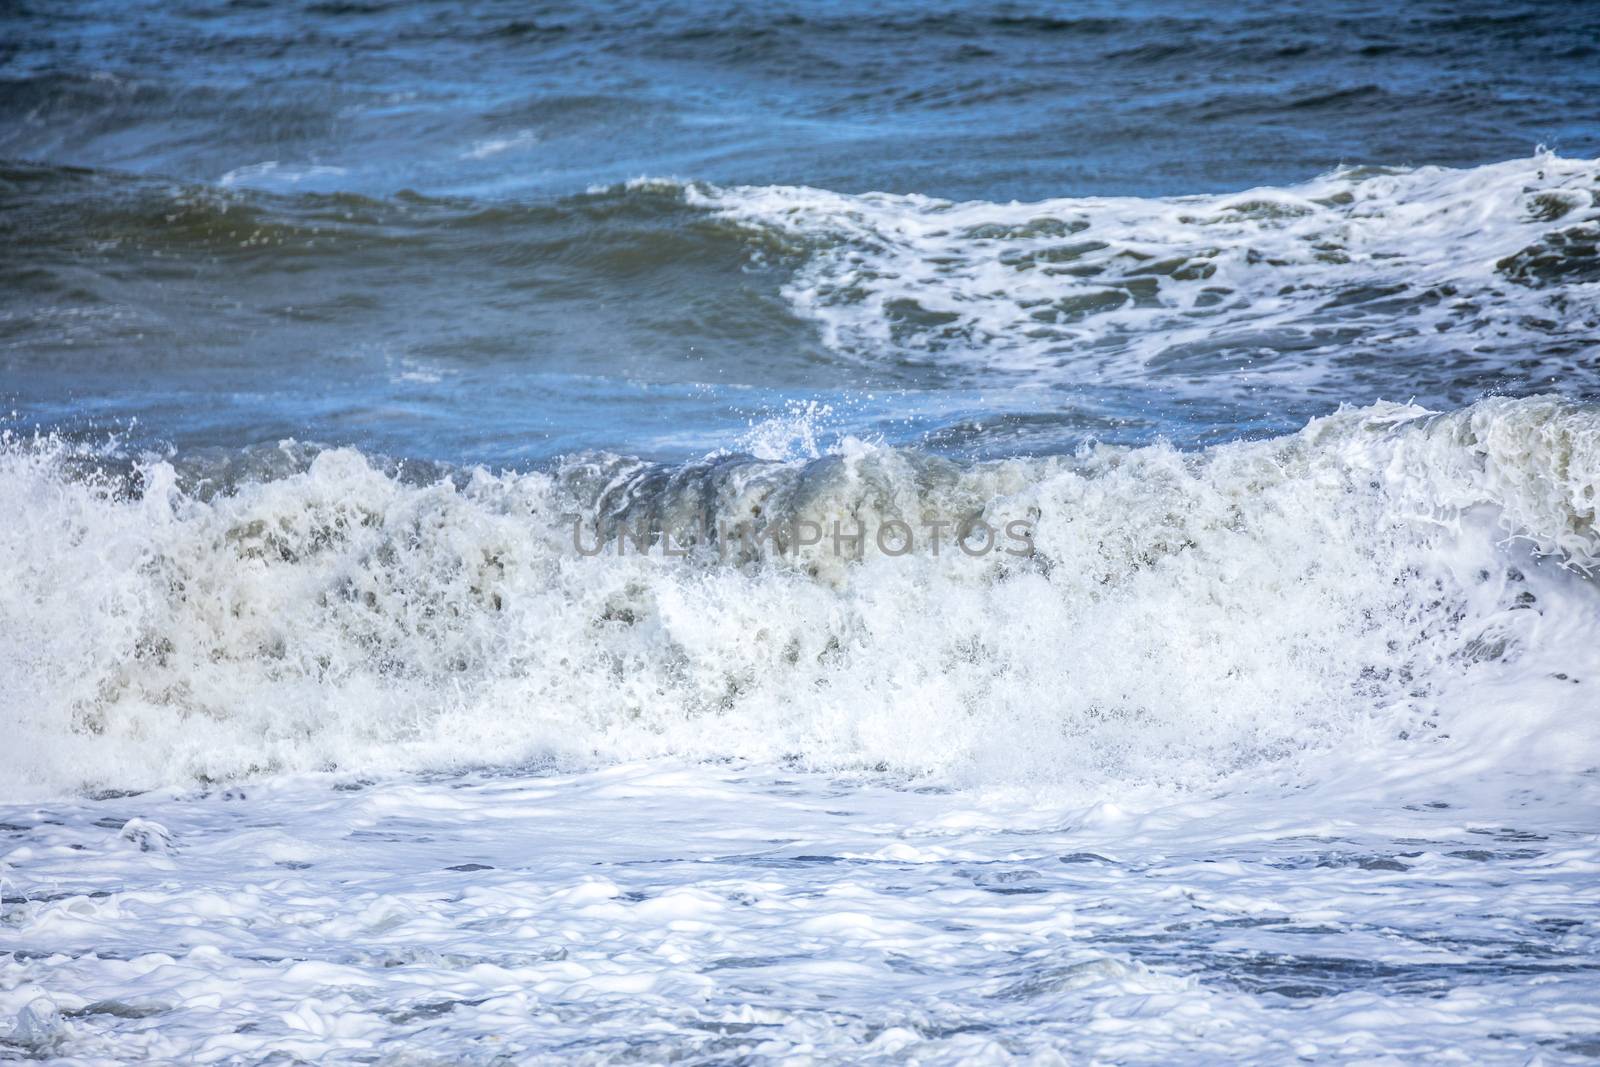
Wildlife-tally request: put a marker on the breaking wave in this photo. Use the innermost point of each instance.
(1386, 576)
(1429, 279)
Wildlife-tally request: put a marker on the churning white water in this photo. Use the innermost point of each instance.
(1280, 748)
(1288, 747)
(1182, 618)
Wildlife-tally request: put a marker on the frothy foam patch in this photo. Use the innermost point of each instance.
(1360, 585)
(1441, 274)
(708, 913)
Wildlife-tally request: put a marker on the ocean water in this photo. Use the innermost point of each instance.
(799, 533)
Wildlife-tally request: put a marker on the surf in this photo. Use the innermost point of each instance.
(1183, 617)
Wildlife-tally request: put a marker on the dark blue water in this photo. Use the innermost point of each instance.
(399, 224)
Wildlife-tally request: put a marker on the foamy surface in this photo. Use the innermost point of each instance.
(1284, 745)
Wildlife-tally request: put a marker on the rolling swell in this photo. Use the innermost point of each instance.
(421, 306)
(42, 202)
(1252, 311)
(889, 96)
(1435, 283)
(1185, 616)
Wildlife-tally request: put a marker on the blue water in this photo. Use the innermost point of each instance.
(434, 276)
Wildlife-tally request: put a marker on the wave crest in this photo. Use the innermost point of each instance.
(1185, 615)
(1434, 279)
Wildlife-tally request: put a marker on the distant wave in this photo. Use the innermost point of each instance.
(1424, 276)
(1430, 284)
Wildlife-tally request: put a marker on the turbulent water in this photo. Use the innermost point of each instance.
(799, 533)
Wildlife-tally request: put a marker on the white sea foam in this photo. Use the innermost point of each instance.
(702, 914)
(1186, 617)
(1399, 276)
